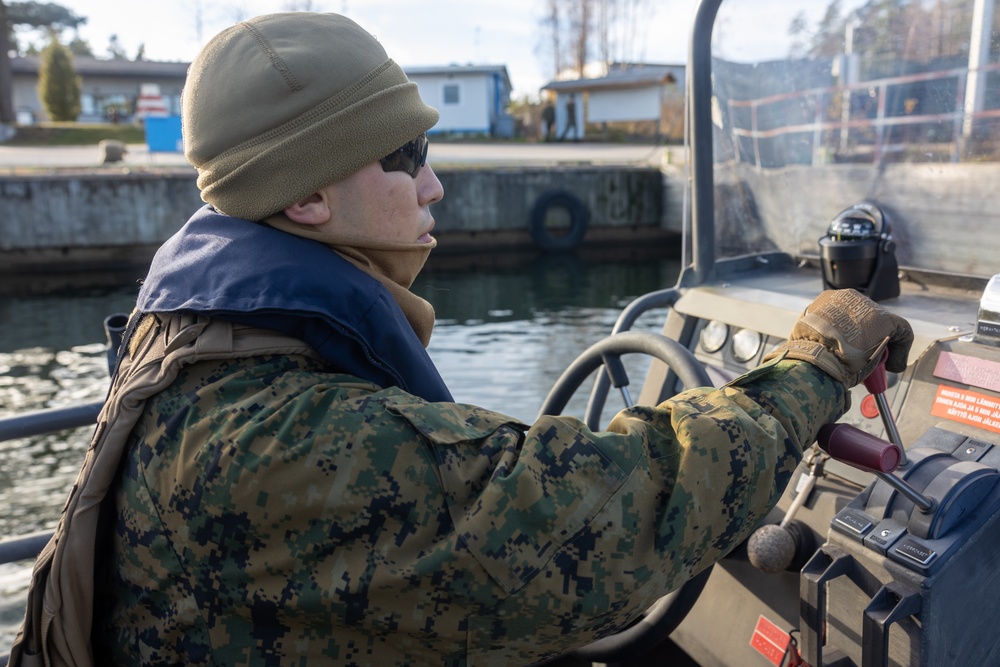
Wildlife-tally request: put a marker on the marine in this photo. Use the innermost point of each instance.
(280, 475)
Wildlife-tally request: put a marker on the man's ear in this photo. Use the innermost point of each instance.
(313, 210)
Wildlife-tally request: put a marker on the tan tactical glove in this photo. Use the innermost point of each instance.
(844, 333)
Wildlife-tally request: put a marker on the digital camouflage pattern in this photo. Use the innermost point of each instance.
(273, 513)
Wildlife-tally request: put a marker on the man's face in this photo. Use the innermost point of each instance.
(386, 206)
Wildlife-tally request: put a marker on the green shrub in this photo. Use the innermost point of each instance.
(58, 83)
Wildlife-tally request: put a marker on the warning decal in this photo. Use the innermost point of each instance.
(769, 640)
(981, 373)
(967, 407)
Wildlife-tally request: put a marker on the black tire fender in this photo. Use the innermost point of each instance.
(579, 216)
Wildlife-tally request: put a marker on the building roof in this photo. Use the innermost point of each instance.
(619, 76)
(86, 66)
(437, 70)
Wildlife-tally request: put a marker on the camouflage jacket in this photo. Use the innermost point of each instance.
(270, 511)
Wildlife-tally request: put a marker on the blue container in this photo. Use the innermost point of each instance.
(163, 134)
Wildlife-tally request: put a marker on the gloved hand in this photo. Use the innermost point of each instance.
(843, 332)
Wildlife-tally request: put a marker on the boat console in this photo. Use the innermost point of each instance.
(837, 162)
(888, 560)
(834, 162)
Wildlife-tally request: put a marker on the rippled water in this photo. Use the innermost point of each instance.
(503, 336)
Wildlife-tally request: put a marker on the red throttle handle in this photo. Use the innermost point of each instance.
(858, 448)
(876, 382)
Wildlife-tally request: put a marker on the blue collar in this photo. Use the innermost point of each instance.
(252, 274)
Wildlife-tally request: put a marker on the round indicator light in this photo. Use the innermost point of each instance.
(714, 336)
(746, 344)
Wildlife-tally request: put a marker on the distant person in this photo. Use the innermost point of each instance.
(285, 476)
(570, 119)
(549, 118)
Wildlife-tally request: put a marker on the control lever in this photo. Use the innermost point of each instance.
(876, 384)
(772, 548)
(866, 452)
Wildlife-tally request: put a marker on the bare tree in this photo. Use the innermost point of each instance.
(620, 26)
(580, 24)
(577, 31)
(199, 27)
(603, 20)
(551, 40)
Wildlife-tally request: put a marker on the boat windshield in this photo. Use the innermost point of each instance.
(819, 105)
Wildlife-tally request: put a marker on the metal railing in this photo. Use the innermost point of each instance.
(40, 422)
(822, 100)
(54, 420)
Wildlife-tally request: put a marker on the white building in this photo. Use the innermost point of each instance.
(105, 85)
(472, 99)
(628, 93)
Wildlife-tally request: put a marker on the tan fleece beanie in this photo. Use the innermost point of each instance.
(280, 106)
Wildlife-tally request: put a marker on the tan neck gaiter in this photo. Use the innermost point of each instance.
(395, 265)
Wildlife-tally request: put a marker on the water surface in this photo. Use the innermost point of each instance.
(502, 338)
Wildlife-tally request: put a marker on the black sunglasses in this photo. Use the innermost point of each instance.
(409, 157)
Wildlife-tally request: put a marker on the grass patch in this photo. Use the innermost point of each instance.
(75, 134)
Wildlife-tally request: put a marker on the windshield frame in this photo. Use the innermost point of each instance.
(919, 233)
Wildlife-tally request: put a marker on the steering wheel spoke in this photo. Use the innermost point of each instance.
(690, 371)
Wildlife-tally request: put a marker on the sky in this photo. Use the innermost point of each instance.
(443, 32)
(438, 32)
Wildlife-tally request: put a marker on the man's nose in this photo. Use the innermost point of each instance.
(429, 188)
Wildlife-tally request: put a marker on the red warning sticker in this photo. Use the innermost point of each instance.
(769, 640)
(967, 407)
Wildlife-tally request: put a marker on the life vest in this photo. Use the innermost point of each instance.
(59, 618)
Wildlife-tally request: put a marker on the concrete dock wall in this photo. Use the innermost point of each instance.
(79, 220)
(494, 208)
(66, 211)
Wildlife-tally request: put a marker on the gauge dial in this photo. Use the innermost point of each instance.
(746, 344)
(714, 335)
(853, 229)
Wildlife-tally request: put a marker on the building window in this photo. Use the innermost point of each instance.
(114, 106)
(451, 93)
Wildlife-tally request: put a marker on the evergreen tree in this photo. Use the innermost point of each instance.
(115, 49)
(30, 14)
(58, 84)
(80, 47)
(917, 30)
